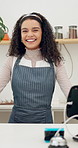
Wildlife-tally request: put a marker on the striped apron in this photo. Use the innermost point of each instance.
(32, 88)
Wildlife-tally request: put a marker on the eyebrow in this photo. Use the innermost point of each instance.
(32, 28)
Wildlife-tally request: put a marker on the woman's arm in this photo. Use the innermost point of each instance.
(5, 73)
(62, 79)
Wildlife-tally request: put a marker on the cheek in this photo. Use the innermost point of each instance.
(40, 36)
(22, 38)
(22, 35)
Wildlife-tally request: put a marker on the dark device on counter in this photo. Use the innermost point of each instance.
(72, 109)
(50, 132)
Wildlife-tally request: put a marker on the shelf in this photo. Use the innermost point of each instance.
(6, 103)
(67, 41)
(60, 41)
(5, 42)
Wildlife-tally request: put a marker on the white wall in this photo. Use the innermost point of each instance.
(58, 12)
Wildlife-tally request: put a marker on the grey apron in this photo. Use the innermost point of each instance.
(33, 88)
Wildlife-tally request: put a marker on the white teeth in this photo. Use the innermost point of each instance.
(31, 40)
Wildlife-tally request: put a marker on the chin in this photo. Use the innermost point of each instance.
(34, 48)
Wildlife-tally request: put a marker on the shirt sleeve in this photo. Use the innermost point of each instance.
(5, 72)
(62, 79)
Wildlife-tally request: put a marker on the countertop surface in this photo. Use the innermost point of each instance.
(32, 135)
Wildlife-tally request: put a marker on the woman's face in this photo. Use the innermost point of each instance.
(31, 34)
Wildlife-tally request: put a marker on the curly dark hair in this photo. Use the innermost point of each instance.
(48, 46)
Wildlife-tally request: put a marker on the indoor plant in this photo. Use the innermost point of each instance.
(3, 29)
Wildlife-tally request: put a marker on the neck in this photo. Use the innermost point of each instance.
(33, 54)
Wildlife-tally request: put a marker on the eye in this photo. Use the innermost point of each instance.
(24, 31)
(35, 30)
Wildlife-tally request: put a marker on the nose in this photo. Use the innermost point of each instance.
(30, 33)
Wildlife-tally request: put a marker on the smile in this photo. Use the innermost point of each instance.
(31, 40)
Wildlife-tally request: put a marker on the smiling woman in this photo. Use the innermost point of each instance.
(33, 65)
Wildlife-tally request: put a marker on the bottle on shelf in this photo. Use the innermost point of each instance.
(58, 32)
(73, 32)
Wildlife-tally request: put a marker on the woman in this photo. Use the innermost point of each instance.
(33, 64)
